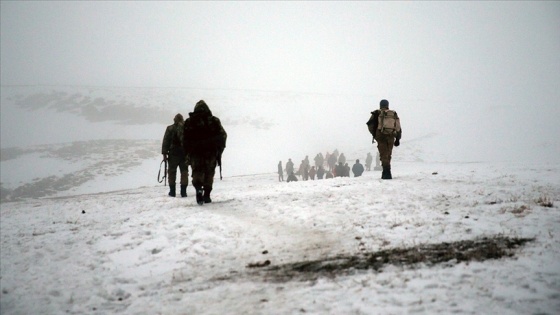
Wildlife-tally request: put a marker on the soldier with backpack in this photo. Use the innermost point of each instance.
(385, 126)
(173, 153)
(204, 140)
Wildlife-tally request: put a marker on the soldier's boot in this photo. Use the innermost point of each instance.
(386, 173)
(172, 190)
(199, 197)
(183, 190)
(207, 195)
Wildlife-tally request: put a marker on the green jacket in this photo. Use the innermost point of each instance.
(173, 140)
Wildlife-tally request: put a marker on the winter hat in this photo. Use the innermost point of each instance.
(384, 104)
(178, 118)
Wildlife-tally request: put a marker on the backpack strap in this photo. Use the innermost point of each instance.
(383, 113)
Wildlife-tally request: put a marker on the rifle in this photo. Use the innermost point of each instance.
(164, 174)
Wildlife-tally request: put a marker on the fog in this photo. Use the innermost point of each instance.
(302, 76)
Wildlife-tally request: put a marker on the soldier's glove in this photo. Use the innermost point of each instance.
(165, 157)
(397, 142)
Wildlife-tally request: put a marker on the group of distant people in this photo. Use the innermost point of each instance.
(329, 166)
(385, 127)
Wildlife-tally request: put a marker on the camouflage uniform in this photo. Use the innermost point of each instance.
(204, 140)
(385, 139)
(173, 152)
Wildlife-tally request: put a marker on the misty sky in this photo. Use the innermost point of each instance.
(483, 76)
(421, 50)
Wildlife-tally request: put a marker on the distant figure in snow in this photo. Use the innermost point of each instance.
(289, 167)
(332, 162)
(358, 169)
(292, 177)
(328, 175)
(319, 160)
(377, 163)
(280, 172)
(173, 153)
(320, 172)
(305, 172)
(312, 173)
(342, 158)
(369, 160)
(340, 170)
(300, 169)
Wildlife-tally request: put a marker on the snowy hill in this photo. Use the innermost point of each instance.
(61, 140)
(475, 238)
(468, 225)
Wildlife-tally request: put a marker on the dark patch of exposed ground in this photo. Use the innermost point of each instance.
(479, 249)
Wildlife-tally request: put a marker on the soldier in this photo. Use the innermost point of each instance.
(385, 126)
(173, 153)
(204, 140)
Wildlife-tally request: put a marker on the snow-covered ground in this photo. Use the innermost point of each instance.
(138, 251)
(86, 229)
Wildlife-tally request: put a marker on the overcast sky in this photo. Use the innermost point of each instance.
(488, 72)
(424, 50)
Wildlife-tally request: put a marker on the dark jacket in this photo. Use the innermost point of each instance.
(292, 177)
(340, 170)
(357, 169)
(172, 140)
(204, 134)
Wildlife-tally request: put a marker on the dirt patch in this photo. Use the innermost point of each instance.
(480, 249)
